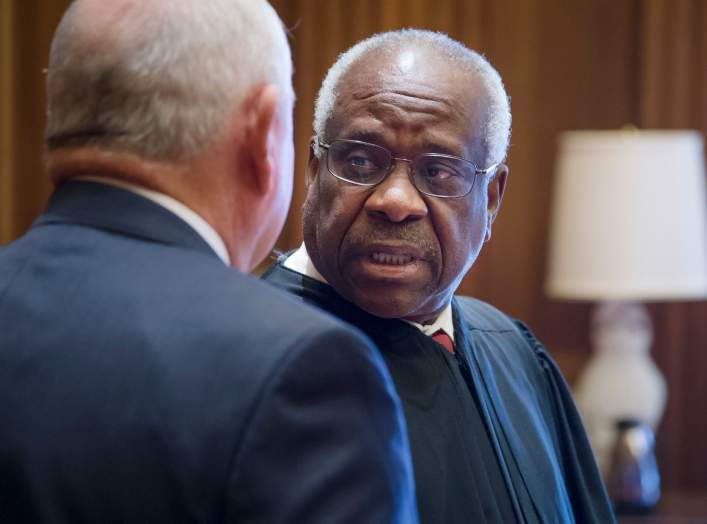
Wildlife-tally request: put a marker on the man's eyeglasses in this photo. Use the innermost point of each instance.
(433, 174)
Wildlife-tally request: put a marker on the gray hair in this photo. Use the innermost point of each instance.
(498, 127)
(163, 79)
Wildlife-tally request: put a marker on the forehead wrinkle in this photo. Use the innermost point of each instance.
(382, 115)
(438, 79)
(403, 110)
(409, 100)
(413, 116)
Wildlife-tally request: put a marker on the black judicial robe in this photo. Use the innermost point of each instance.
(494, 433)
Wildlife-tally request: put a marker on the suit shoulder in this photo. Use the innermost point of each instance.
(266, 303)
(241, 303)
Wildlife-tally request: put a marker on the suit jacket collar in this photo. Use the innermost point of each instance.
(118, 210)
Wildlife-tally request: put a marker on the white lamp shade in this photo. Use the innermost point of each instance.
(629, 220)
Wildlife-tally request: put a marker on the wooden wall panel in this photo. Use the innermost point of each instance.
(27, 186)
(506, 271)
(7, 119)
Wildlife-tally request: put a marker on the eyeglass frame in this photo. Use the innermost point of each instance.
(393, 159)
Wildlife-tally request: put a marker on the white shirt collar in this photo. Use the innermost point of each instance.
(300, 262)
(198, 224)
(444, 322)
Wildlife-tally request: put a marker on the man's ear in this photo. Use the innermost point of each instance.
(312, 163)
(496, 189)
(260, 139)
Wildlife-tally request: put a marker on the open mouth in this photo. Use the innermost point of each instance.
(388, 264)
(389, 259)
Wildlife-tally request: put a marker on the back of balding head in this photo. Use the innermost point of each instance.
(159, 79)
(103, 26)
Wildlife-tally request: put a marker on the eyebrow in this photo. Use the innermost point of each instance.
(377, 138)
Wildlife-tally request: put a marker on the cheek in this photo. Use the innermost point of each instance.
(461, 230)
(339, 205)
(328, 213)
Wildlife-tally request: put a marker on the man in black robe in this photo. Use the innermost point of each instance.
(405, 180)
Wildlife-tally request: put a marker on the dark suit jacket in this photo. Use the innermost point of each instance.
(142, 380)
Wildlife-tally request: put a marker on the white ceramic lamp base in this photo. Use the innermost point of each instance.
(620, 382)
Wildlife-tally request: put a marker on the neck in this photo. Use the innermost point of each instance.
(66, 164)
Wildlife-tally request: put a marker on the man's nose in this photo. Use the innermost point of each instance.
(396, 198)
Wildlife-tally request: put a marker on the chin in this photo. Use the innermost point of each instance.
(385, 304)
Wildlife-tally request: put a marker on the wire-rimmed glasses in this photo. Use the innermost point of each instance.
(434, 174)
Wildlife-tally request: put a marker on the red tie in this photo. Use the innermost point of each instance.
(442, 338)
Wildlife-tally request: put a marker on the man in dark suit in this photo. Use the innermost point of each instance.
(141, 378)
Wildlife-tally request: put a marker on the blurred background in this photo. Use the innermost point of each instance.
(567, 64)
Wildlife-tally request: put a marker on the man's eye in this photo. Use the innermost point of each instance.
(440, 172)
(360, 162)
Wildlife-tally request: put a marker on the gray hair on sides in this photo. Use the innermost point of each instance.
(164, 78)
(498, 126)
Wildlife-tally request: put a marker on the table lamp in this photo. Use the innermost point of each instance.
(629, 225)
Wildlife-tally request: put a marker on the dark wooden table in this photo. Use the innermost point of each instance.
(674, 508)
